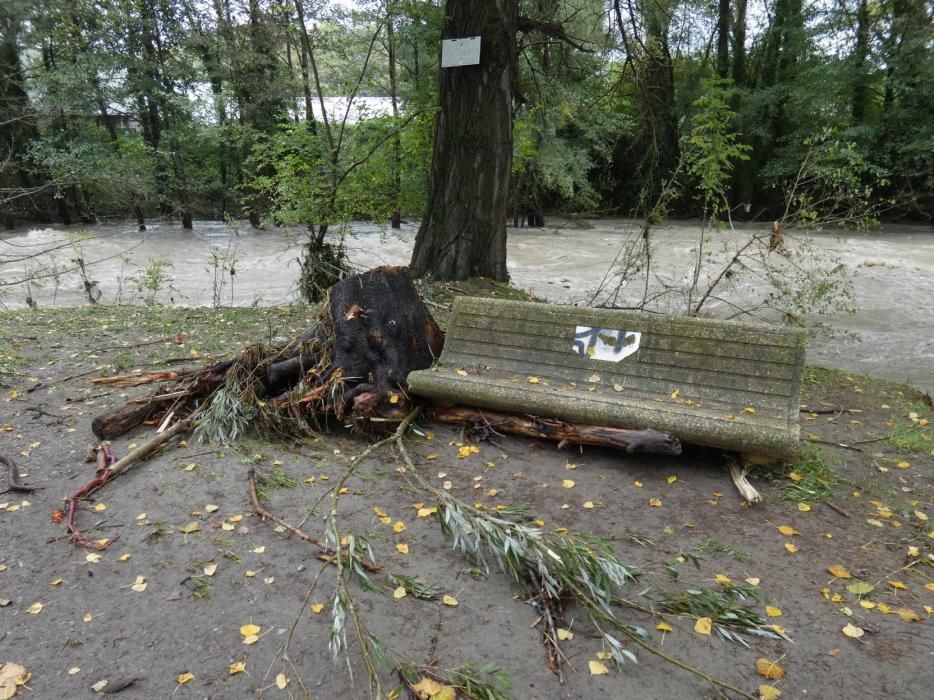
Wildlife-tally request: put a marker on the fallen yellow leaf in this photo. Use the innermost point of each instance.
(725, 580)
(769, 692)
(139, 585)
(281, 681)
(399, 526)
(87, 617)
(209, 569)
(671, 479)
(769, 669)
(35, 608)
(400, 592)
(588, 505)
(251, 639)
(663, 627)
(753, 580)
(853, 631)
(839, 571)
(787, 530)
(908, 615)
(772, 611)
(250, 629)
(703, 625)
(190, 528)
(426, 689)
(790, 547)
(597, 668)
(237, 667)
(316, 608)
(804, 508)
(655, 502)
(402, 548)
(564, 634)
(450, 600)
(568, 484)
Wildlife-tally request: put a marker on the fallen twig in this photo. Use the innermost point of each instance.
(127, 380)
(111, 470)
(13, 482)
(596, 613)
(834, 506)
(327, 554)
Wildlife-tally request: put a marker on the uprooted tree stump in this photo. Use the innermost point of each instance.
(371, 332)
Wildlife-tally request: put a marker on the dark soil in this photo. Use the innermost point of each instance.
(869, 505)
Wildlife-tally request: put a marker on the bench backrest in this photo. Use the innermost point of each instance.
(720, 383)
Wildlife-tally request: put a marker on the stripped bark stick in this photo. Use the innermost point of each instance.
(647, 440)
(327, 554)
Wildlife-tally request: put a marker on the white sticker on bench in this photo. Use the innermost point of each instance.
(608, 344)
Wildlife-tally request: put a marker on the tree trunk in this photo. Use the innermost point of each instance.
(739, 44)
(396, 219)
(463, 233)
(723, 38)
(860, 53)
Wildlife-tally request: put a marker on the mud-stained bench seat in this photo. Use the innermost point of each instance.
(708, 382)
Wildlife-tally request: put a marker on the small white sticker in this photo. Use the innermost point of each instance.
(460, 52)
(607, 344)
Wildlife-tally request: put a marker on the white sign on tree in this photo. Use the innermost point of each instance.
(460, 52)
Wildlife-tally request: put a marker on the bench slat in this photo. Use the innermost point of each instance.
(657, 340)
(648, 354)
(698, 426)
(715, 329)
(644, 389)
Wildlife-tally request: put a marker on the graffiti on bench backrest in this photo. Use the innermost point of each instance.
(608, 344)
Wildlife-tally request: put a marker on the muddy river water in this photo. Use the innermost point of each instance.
(891, 333)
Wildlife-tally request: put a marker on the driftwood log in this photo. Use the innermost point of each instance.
(372, 331)
(648, 440)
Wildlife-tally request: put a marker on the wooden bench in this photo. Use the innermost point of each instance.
(718, 383)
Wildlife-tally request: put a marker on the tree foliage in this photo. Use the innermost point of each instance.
(238, 108)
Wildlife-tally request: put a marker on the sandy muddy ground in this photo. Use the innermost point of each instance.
(73, 621)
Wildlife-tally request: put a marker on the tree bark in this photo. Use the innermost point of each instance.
(463, 233)
(723, 38)
(739, 44)
(381, 331)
